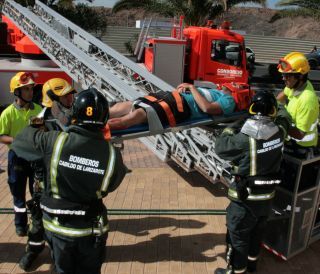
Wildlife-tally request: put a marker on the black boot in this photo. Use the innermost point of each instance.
(21, 231)
(223, 271)
(27, 260)
(252, 266)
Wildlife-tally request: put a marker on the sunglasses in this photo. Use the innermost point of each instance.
(25, 78)
(284, 66)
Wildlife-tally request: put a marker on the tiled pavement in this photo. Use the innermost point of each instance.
(155, 244)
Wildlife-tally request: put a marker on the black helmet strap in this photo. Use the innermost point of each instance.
(18, 94)
(301, 79)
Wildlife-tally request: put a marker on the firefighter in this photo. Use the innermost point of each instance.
(187, 102)
(81, 168)
(57, 99)
(301, 102)
(12, 120)
(256, 152)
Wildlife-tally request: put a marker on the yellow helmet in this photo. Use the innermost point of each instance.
(53, 89)
(294, 62)
(21, 79)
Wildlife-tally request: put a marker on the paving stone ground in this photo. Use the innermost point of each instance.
(155, 244)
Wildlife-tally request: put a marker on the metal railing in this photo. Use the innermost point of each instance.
(266, 48)
(271, 48)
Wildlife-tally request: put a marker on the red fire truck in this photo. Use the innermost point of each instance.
(209, 53)
(204, 54)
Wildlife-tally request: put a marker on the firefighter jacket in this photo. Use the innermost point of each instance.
(80, 168)
(256, 151)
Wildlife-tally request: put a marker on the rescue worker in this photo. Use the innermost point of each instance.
(187, 102)
(301, 102)
(12, 120)
(81, 168)
(57, 99)
(256, 152)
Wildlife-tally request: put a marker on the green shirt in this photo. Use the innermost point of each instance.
(304, 109)
(14, 119)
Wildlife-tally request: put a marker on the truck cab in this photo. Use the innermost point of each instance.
(204, 54)
(215, 55)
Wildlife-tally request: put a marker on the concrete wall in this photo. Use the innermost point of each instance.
(266, 48)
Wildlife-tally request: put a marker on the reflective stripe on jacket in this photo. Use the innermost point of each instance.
(232, 194)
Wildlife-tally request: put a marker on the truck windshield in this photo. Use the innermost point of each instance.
(226, 52)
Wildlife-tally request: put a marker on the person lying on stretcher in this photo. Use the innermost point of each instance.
(186, 102)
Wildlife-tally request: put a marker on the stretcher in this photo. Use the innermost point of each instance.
(241, 93)
(154, 127)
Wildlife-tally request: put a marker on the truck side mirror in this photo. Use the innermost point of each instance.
(250, 59)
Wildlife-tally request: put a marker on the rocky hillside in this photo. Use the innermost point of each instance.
(256, 21)
(250, 20)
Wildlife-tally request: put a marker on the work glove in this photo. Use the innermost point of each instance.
(233, 128)
(36, 122)
(228, 131)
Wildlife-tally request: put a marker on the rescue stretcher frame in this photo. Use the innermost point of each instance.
(143, 130)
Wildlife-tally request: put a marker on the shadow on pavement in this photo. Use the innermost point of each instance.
(140, 226)
(164, 247)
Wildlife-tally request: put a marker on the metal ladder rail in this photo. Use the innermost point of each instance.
(196, 152)
(121, 66)
(72, 60)
(207, 164)
(143, 40)
(191, 149)
(158, 145)
(137, 47)
(201, 147)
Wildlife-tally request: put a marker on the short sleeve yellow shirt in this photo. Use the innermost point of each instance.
(304, 110)
(13, 119)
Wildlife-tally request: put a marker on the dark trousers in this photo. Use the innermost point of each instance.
(76, 255)
(35, 242)
(19, 170)
(297, 151)
(244, 235)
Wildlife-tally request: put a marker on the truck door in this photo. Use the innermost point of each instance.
(224, 62)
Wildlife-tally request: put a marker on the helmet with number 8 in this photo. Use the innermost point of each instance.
(90, 108)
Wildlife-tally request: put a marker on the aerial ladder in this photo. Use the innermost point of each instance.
(91, 63)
